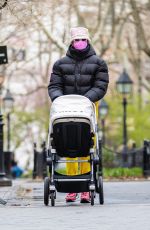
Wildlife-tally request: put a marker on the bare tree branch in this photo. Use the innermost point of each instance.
(140, 29)
(32, 91)
(58, 43)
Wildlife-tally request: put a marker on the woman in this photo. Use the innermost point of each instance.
(81, 72)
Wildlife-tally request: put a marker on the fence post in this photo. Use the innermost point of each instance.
(39, 165)
(8, 156)
(146, 159)
(34, 162)
(44, 153)
(133, 163)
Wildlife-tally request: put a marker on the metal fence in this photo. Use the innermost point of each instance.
(132, 158)
(135, 157)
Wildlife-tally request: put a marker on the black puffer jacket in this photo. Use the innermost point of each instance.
(79, 72)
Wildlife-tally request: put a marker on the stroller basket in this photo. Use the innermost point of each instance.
(78, 183)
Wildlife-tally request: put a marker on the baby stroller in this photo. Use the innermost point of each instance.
(73, 133)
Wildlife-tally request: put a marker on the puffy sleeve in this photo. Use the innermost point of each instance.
(100, 85)
(55, 87)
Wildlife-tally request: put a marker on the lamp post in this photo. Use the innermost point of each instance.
(8, 102)
(124, 87)
(3, 60)
(4, 181)
(103, 111)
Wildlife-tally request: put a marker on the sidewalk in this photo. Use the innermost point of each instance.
(127, 205)
(23, 193)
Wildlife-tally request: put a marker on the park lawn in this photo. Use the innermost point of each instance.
(122, 173)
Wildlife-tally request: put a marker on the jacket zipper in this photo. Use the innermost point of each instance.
(76, 73)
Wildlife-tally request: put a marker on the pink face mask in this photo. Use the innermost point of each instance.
(80, 45)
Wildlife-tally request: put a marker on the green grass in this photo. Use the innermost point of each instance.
(118, 172)
(122, 172)
(27, 174)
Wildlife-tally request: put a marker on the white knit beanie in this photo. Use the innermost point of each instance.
(79, 33)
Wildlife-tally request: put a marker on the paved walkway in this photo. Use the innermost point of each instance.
(127, 205)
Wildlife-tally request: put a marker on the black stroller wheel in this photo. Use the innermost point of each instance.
(92, 197)
(101, 192)
(52, 195)
(46, 190)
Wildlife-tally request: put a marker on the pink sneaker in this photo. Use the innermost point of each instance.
(85, 197)
(71, 197)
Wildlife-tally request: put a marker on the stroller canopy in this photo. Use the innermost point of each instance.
(73, 106)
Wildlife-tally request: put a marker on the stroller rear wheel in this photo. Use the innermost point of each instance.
(101, 192)
(46, 190)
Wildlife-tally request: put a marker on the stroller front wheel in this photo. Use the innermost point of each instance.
(52, 196)
(46, 190)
